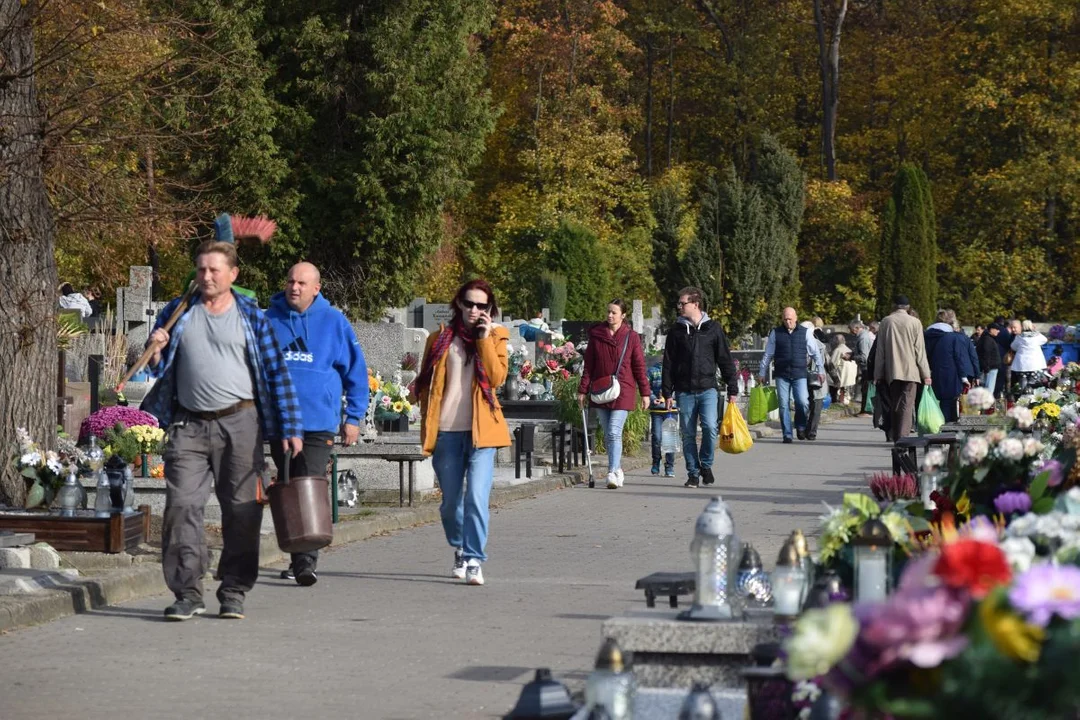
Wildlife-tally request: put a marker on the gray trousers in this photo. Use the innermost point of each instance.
(227, 452)
(899, 407)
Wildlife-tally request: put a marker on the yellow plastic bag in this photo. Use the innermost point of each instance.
(734, 434)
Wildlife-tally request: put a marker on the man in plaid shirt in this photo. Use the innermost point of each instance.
(223, 387)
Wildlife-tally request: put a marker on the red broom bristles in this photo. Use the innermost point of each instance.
(259, 228)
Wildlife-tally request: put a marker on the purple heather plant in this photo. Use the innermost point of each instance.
(1047, 590)
(1008, 503)
(100, 422)
(887, 487)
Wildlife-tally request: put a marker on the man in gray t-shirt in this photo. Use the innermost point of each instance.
(211, 366)
(223, 387)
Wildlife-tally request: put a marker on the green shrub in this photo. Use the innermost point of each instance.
(552, 294)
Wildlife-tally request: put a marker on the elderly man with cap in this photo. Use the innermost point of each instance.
(899, 365)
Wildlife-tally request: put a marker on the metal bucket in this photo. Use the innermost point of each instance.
(301, 510)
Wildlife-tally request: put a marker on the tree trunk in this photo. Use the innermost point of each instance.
(648, 104)
(671, 101)
(829, 64)
(27, 254)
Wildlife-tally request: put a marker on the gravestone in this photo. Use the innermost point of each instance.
(637, 317)
(414, 313)
(383, 345)
(414, 341)
(576, 331)
(436, 314)
(135, 307)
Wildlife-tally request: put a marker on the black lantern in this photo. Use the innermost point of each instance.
(543, 698)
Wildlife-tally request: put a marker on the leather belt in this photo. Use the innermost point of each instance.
(224, 412)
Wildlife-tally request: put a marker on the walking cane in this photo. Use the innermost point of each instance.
(151, 348)
(588, 455)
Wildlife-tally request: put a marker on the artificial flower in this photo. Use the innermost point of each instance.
(975, 450)
(1019, 551)
(1013, 637)
(1055, 469)
(919, 625)
(1032, 447)
(1050, 410)
(980, 398)
(1047, 590)
(1011, 449)
(933, 459)
(1009, 503)
(1022, 415)
(963, 505)
(398, 406)
(981, 528)
(822, 638)
(972, 565)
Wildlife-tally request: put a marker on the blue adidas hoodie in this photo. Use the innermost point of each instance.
(325, 361)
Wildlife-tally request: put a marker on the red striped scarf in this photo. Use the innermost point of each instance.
(442, 344)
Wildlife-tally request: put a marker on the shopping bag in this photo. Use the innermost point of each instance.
(929, 417)
(871, 393)
(826, 402)
(772, 398)
(734, 434)
(758, 409)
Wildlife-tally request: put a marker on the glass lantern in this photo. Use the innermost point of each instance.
(610, 686)
(69, 496)
(788, 584)
(929, 482)
(715, 552)
(873, 562)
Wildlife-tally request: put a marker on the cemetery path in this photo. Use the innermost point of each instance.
(387, 634)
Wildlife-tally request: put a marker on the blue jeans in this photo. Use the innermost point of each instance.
(612, 422)
(657, 430)
(784, 390)
(695, 407)
(989, 380)
(465, 475)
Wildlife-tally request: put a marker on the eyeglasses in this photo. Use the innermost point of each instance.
(469, 305)
(680, 303)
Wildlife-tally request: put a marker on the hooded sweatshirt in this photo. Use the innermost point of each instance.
(325, 361)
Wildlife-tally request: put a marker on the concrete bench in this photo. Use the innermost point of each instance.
(405, 450)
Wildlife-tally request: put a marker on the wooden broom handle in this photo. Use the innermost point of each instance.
(152, 347)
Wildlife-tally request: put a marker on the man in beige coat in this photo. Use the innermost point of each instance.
(899, 367)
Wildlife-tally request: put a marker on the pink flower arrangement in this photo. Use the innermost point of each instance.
(99, 422)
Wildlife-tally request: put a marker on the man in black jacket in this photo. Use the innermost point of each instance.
(696, 346)
(989, 352)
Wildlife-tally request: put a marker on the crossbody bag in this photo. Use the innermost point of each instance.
(606, 389)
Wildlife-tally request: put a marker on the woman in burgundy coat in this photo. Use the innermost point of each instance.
(606, 343)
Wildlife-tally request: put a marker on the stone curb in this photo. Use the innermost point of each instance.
(144, 578)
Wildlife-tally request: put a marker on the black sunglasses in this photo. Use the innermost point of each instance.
(469, 305)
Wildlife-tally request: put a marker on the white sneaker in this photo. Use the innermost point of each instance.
(612, 481)
(473, 574)
(620, 477)
(459, 565)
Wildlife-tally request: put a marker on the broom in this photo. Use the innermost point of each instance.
(227, 228)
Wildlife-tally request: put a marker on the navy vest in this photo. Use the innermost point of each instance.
(789, 360)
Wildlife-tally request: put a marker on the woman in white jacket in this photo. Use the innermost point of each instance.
(1027, 347)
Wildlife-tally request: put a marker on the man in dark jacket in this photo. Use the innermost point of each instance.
(989, 353)
(952, 362)
(696, 346)
(789, 347)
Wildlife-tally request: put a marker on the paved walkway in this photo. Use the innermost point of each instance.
(387, 634)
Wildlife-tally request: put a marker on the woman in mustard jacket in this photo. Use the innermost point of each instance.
(461, 421)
